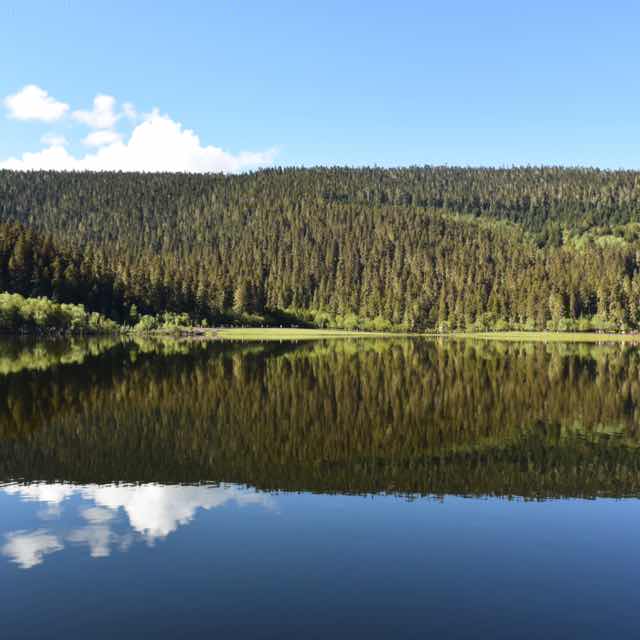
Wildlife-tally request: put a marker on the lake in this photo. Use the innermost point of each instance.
(378, 488)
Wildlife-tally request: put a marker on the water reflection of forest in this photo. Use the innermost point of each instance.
(401, 416)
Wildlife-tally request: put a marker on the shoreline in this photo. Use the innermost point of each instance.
(285, 333)
(273, 333)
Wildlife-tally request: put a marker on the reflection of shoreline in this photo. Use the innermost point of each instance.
(401, 416)
(152, 511)
(31, 354)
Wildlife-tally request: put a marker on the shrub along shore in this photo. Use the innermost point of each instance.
(42, 316)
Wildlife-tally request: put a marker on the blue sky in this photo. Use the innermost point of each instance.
(323, 82)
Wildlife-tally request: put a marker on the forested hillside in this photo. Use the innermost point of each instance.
(416, 248)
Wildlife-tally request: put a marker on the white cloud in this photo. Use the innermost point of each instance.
(129, 111)
(101, 138)
(51, 158)
(97, 515)
(53, 493)
(102, 116)
(158, 143)
(53, 140)
(27, 549)
(98, 538)
(155, 511)
(34, 103)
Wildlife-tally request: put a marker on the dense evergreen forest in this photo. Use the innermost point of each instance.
(417, 248)
(392, 415)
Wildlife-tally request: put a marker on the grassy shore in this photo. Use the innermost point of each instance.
(513, 336)
(549, 336)
(295, 334)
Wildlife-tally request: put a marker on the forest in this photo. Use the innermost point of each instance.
(414, 249)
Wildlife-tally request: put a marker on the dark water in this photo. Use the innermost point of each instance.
(379, 489)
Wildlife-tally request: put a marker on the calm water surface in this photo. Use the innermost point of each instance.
(381, 489)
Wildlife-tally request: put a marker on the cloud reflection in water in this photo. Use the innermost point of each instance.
(152, 513)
